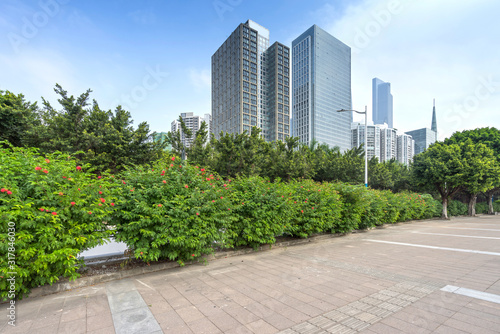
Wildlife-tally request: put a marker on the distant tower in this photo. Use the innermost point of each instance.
(382, 108)
(434, 122)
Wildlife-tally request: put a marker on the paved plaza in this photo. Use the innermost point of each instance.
(432, 276)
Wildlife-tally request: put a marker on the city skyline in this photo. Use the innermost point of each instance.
(154, 58)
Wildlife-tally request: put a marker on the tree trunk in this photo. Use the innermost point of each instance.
(490, 203)
(472, 204)
(444, 215)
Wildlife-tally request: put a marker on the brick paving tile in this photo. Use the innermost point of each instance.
(178, 330)
(225, 322)
(107, 330)
(262, 327)
(51, 329)
(99, 321)
(74, 313)
(477, 321)
(169, 319)
(203, 326)
(466, 327)
(279, 321)
(381, 328)
(77, 326)
(443, 329)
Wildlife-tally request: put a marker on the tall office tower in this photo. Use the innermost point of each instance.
(382, 102)
(425, 137)
(250, 84)
(406, 148)
(321, 86)
(373, 140)
(434, 126)
(388, 144)
(193, 123)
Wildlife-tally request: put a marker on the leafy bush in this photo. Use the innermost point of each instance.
(311, 208)
(172, 211)
(457, 208)
(50, 211)
(483, 207)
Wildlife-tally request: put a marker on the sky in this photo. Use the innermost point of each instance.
(153, 57)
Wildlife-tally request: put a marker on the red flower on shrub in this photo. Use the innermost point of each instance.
(78, 189)
(313, 208)
(171, 165)
(142, 253)
(173, 158)
(159, 205)
(45, 171)
(186, 186)
(203, 169)
(192, 254)
(102, 200)
(112, 204)
(100, 192)
(54, 213)
(42, 209)
(38, 168)
(64, 177)
(73, 203)
(47, 160)
(123, 182)
(164, 181)
(60, 193)
(100, 204)
(3, 190)
(78, 168)
(213, 201)
(90, 212)
(302, 211)
(225, 185)
(228, 209)
(99, 177)
(221, 197)
(132, 189)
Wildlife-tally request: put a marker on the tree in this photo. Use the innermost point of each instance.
(491, 138)
(105, 139)
(480, 171)
(440, 167)
(17, 116)
(200, 153)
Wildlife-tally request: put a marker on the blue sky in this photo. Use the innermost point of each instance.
(153, 57)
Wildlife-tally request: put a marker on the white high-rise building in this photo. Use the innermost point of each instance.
(406, 149)
(193, 123)
(383, 142)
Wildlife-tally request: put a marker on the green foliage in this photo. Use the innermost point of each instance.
(16, 118)
(57, 212)
(457, 208)
(102, 138)
(171, 211)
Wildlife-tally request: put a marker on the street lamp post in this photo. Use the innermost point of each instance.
(366, 139)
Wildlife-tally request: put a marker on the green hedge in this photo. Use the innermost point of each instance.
(170, 210)
(50, 211)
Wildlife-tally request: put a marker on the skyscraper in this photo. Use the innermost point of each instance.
(425, 137)
(250, 84)
(321, 86)
(382, 102)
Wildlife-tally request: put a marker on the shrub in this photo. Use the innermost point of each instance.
(311, 208)
(50, 213)
(457, 208)
(171, 211)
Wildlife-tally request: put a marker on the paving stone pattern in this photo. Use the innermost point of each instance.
(363, 313)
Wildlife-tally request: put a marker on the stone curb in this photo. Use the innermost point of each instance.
(65, 285)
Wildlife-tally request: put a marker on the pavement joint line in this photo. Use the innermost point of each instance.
(490, 297)
(435, 247)
(457, 235)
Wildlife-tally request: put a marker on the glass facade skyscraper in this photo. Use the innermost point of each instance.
(251, 84)
(321, 75)
(382, 104)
